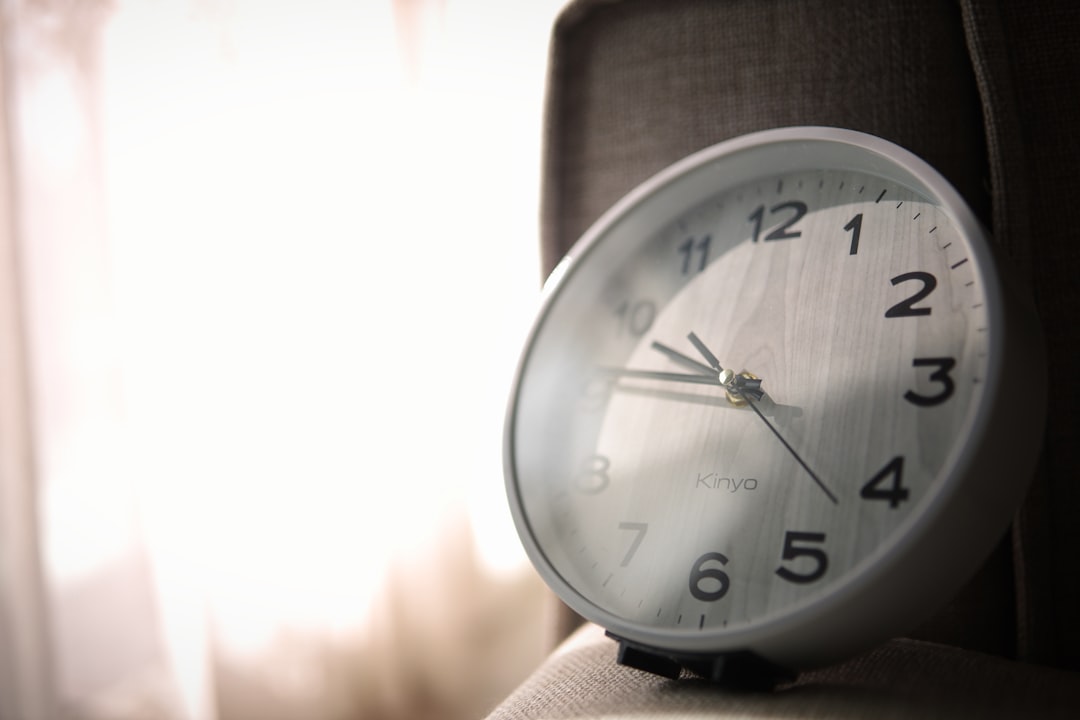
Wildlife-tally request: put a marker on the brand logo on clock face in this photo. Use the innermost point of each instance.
(715, 481)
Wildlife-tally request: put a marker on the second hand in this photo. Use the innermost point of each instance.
(811, 473)
(726, 379)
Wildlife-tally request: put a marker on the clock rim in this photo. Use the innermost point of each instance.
(861, 608)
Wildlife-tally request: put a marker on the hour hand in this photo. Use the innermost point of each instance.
(705, 353)
(684, 360)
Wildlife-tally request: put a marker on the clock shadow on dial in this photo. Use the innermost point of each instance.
(709, 478)
(667, 457)
(667, 505)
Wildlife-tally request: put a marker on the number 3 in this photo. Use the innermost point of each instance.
(941, 375)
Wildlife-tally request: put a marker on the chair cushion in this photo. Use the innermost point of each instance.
(901, 679)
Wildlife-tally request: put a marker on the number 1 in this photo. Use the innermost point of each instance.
(855, 228)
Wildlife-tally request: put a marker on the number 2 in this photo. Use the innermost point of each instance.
(906, 308)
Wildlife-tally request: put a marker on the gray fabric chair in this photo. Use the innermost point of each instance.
(984, 90)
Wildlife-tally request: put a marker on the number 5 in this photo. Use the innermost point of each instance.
(792, 551)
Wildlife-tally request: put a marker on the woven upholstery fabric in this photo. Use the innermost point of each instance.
(903, 679)
(638, 84)
(983, 90)
(1031, 58)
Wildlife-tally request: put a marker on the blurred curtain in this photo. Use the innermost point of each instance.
(265, 269)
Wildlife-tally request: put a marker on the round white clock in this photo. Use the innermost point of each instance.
(779, 404)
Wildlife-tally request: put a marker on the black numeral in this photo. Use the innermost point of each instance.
(905, 308)
(636, 318)
(887, 484)
(709, 583)
(640, 529)
(855, 228)
(596, 391)
(593, 477)
(687, 251)
(796, 546)
(783, 231)
(941, 375)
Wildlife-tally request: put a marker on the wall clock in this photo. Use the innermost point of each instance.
(778, 405)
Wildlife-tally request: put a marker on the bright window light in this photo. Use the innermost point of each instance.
(276, 325)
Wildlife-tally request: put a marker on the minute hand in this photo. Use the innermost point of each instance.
(695, 378)
(721, 374)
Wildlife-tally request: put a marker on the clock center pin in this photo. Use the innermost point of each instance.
(744, 382)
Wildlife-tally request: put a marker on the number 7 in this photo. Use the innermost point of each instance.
(640, 529)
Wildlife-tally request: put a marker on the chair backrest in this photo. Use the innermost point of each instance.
(984, 91)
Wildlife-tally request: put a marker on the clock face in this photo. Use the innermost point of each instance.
(754, 381)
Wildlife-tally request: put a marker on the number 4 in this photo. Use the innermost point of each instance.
(892, 476)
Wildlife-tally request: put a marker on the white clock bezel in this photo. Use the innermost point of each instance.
(988, 474)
